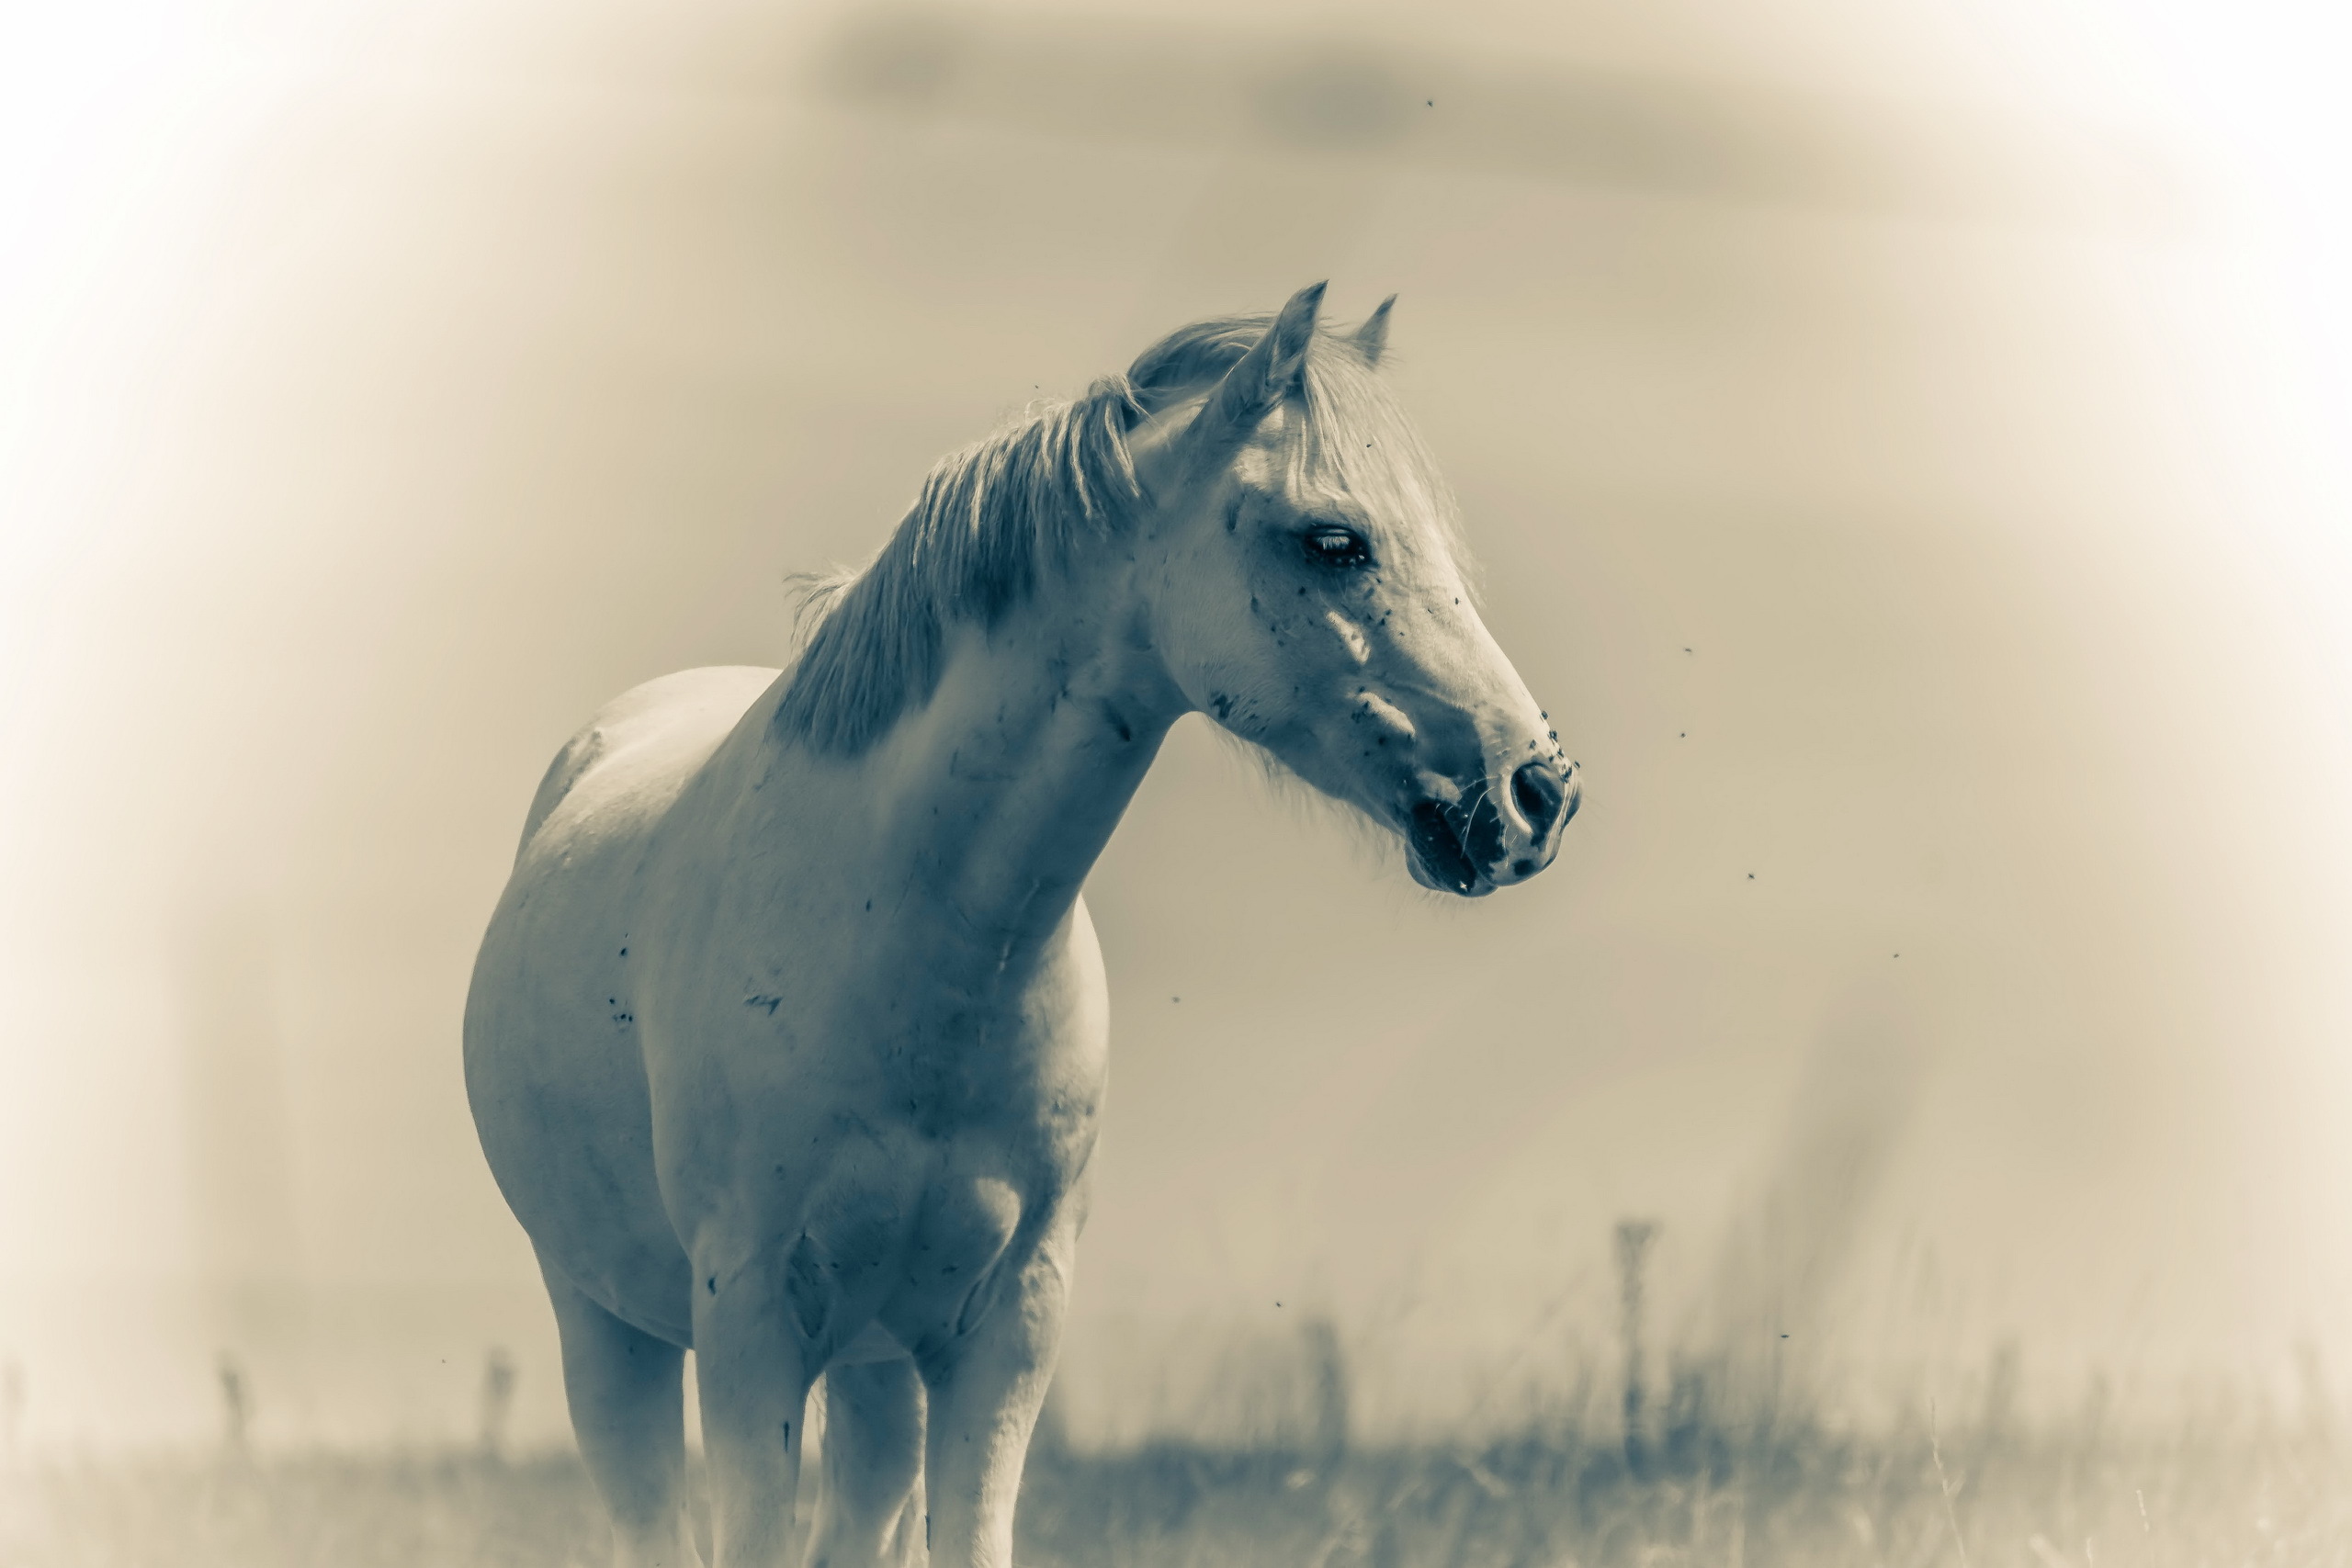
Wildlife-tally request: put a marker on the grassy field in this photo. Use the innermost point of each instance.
(2206, 1492)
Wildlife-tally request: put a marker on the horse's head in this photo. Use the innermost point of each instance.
(1307, 592)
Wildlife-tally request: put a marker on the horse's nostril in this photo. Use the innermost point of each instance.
(1535, 790)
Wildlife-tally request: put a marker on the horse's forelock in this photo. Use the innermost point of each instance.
(1191, 359)
(1354, 440)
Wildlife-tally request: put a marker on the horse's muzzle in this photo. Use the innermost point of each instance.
(1467, 847)
(1455, 844)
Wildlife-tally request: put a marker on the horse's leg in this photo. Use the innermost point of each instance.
(985, 1393)
(627, 1410)
(753, 1374)
(873, 1457)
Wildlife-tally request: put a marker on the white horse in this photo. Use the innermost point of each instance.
(787, 1040)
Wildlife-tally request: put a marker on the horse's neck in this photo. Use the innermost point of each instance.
(996, 797)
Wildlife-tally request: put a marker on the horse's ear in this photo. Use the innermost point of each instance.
(1260, 379)
(1372, 336)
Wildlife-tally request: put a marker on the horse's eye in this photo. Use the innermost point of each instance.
(1337, 547)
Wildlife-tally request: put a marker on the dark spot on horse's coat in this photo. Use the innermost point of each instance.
(1223, 704)
(711, 1284)
(624, 953)
(771, 1003)
(869, 906)
(1522, 868)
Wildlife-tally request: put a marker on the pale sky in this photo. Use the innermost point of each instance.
(1923, 510)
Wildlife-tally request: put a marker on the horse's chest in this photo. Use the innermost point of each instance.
(892, 1031)
(873, 1082)
(884, 1113)
(1004, 1079)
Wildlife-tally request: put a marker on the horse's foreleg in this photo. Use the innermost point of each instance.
(626, 1399)
(873, 1456)
(984, 1392)
(752, 1371)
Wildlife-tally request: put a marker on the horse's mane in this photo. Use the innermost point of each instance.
(992, 519)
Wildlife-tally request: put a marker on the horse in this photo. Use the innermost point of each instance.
(787, 1042)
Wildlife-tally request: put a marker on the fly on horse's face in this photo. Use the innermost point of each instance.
(1313, 602)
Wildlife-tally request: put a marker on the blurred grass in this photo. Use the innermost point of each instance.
(347, 1510)
(2206, 1492)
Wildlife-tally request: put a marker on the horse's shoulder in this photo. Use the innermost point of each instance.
(675, 717)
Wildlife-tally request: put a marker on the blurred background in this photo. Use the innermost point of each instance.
(1906, 443)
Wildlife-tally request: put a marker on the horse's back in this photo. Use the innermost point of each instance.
(664, 726)
(553, 1064)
